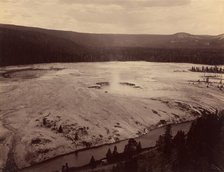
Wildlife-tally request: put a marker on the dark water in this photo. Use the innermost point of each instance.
(83, 157)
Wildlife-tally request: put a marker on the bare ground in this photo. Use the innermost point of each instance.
(130, 99)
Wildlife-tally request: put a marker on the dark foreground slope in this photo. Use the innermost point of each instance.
(201, 149)
(26, 45)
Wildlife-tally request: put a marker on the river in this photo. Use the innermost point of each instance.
(83, 157)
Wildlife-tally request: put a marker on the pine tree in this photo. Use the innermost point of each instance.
(109, 155)
(179, 139)
(92, 162)
(167, 140)
(160, 143)
(203, 68)
(60, 130)
(44, 121)
(179, 142)
(139, 147)
(115, 151)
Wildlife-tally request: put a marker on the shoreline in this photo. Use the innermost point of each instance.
(98, 146)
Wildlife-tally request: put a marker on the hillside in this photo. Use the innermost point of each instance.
(27, 45)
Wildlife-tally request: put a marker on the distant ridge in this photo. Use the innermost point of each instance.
(27, 45)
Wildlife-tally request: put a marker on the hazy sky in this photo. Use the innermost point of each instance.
(118, 16)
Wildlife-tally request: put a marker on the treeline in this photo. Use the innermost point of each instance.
(201, 149)
(28, 46)
(212, 69)
(194, 151)
(181, 55)
(131, 149)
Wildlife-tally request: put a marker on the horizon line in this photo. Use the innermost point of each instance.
(107, 33)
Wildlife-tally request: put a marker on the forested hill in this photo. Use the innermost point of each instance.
(26, 45)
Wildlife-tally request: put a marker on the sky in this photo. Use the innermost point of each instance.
(118, 16)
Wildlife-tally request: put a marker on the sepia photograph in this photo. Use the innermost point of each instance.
(111, 85)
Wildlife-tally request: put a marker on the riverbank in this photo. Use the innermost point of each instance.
(82, 157)
(201, 149)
